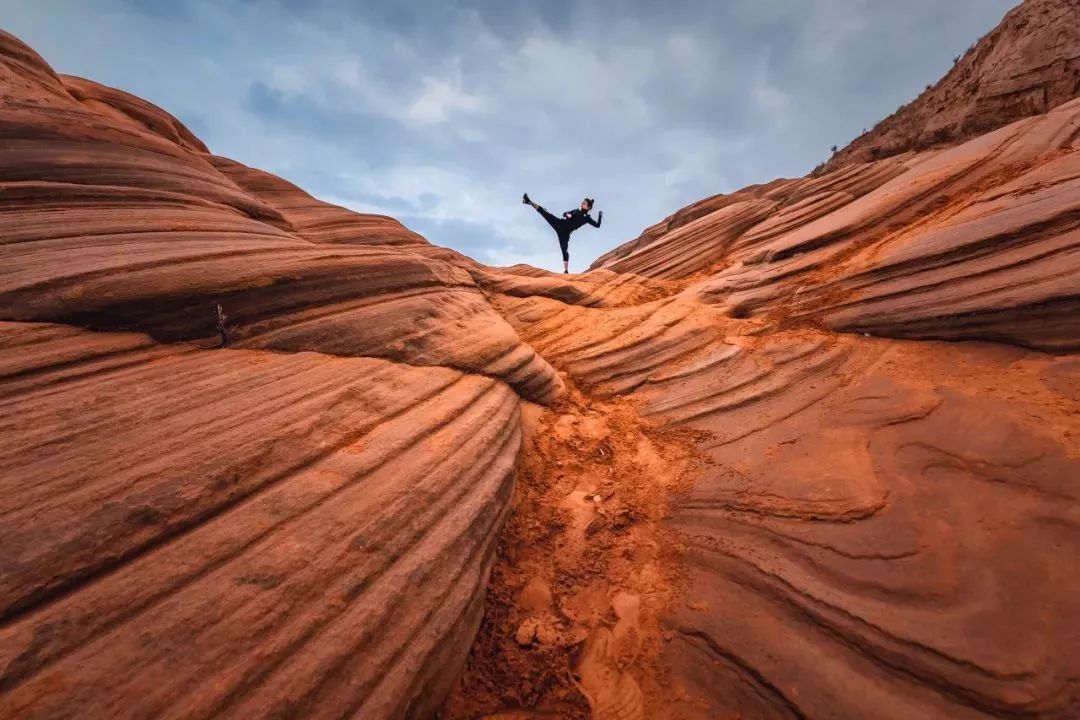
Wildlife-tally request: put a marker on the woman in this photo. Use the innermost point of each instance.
(570, 221)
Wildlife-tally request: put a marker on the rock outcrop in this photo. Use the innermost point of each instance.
(239, 533)
(807, 450)
(885, 528)
(299, 525)
(886, 524)
(114, 217)
(1028, 65)
(980, 241)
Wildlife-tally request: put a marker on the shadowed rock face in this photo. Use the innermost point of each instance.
(303, 523)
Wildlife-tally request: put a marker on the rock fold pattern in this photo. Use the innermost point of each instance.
(876, 367)
(298, 525)
(980, 241)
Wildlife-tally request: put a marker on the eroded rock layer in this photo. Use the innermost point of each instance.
(113, 216)
(979, 241)
(885, 527)
(888, 526)
(239, 533)
(771, 491)
(1028, 65)
(300, 524)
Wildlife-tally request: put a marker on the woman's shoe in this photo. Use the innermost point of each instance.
(525, 199)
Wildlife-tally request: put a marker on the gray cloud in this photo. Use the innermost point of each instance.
(442, 113)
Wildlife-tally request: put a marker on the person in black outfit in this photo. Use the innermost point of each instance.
(570, 221)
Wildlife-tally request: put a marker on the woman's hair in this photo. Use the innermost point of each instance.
(590, 202)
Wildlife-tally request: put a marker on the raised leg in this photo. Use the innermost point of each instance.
(554, 222)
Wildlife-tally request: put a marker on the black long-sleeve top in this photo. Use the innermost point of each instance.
(576, 218)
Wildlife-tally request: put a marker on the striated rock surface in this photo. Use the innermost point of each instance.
(888, 535)
(758, 482)
(1028, 65)
(886, 523)
(686, 215)
(239, 533)
(313, 219)
(114, 217)
(978, 241)
(299, 525)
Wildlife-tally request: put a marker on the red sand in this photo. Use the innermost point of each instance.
(806, 450)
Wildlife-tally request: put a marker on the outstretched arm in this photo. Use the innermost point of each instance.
(599, 219)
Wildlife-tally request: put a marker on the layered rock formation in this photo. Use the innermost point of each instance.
(886, 528)
(978, 241)
(771, 481)
(118, 219)
(299, 525)
(1028, 65)
(240, 533)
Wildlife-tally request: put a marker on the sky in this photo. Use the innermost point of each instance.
(441, 113)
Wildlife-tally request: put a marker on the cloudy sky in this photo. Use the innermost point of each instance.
(441, 113)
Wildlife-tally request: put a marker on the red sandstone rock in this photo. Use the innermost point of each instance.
(238, 533)
(313, 219)
(113, 217)
(1028, 65)
(886, 528)
(302, 524)
(978, 241)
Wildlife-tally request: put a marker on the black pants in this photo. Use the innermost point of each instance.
(558, 224)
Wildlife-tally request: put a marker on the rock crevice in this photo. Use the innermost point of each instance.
(805, 450)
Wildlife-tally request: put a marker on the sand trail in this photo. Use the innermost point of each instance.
(585, 569)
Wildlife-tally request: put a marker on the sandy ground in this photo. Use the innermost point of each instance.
(584, 569)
